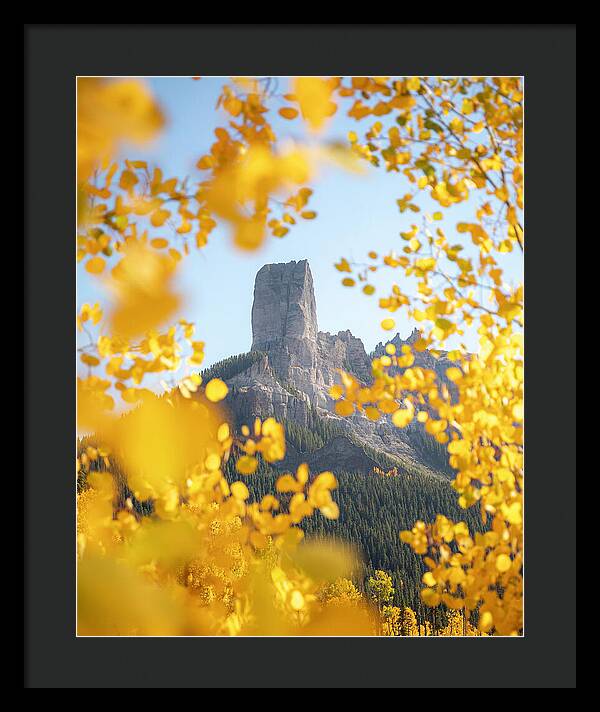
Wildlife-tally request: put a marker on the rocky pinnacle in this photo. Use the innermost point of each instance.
(297, 364)
(284, 305)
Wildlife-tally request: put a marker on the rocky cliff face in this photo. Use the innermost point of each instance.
(291, 379)
(284, 307)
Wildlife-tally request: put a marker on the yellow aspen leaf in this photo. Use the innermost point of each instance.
(402, 417)
(348, 282)
(239, 490)
(233, 105)
(159, 243)
(246, 465)
(159, 217)
(502, 193)
(288, 483)
(336, 392)
(205, 163)
(95, 265)
(223, 432)
(343, 265)
(128, 180)
(288, 112)
(216, 390)
(369, 289)
(454, 374)
(372, 413)
(429, 579)
(430, 597)
(212, 462)
(302, 473)
(330, 510)
(486, 621)
(344, 408)
(503, 563)
(90, 360)
(387, 406)
(517, 411)
(388, 324)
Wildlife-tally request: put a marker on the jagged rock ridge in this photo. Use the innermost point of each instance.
(295, 364)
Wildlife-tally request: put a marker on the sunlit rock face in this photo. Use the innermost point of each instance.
(299, 364)
(284, 307)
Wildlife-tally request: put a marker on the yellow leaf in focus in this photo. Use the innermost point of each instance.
(212, 462)
(344, 408)
(330, 510)
(372, 413)
(159, 217)
(223, 432)
(288, 483)
(288, 112)
(239, 490)
(429, 579)
(402, 417)
(95, 265)
(89, 360)
(503, 563)
(216, 390)
(336, 392)
(343, 265)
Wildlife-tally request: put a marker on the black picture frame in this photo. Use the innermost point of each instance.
(54, 55)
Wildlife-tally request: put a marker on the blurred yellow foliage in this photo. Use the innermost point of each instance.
(110, 112)
(209, 560)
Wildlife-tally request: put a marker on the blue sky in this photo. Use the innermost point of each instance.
(356, 213)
